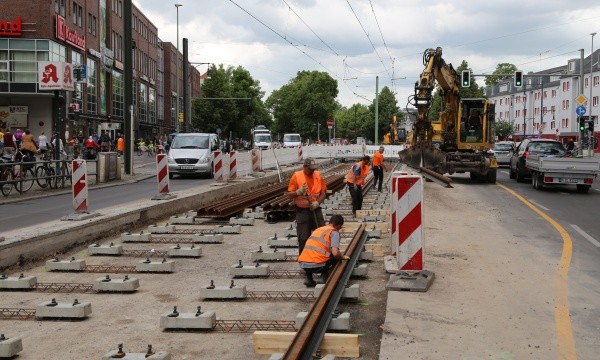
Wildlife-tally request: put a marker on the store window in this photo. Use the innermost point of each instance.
(143, 98)
(92, 94)
(77, 96)
(118, 101)
(152, 105)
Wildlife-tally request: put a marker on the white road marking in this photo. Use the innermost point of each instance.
(597, 189)
(538, 205)
(504, 172)
(586, 235)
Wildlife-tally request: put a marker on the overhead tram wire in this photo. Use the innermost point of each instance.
(382, 38)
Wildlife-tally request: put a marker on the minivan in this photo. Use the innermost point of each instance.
(192, 153)
(292, 140)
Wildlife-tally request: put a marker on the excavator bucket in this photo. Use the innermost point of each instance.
(430, 158)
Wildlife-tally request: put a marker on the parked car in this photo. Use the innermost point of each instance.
(192, 153)
(292, 140)
(502, 151)
(547, 147)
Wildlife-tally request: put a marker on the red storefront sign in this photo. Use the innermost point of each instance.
(12, 28)
(67, 35)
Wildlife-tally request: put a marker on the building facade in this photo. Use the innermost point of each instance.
(545, 106)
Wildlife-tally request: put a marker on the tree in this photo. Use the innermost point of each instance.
(388, 107)
(504, 129)
(502, 68)
(349, 122)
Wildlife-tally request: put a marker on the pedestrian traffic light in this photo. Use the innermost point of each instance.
(518, 78)
(466, 78)
(581, 124)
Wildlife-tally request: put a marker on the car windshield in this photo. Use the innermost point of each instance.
(502, 147)
(262, 138)
(551, 148)
(190, 142)
(291, 138)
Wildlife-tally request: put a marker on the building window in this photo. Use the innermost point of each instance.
(118, 101)
(553, 93)
(152, 105)
(552, 124)
(92, 24)
(567, 103)
(586, 83)
(595, 101)
(92, 96)
(596, 80)
(571, 65)
(77, 14)
(143, 102)
(60, 7)
(77, 97)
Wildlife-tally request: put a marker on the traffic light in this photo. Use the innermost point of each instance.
(581, 124)
(60, 107)
(591, 125)
(466, 78)
(518, 78)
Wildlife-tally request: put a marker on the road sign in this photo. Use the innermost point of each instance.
(581, 99)
(580, 111)
(330, 124)
(180, 117)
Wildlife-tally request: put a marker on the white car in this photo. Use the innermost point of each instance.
(503, 151)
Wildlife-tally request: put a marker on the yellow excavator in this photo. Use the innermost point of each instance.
(461, 140)
(396, 135)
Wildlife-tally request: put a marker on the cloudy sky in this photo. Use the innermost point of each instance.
(356, 41)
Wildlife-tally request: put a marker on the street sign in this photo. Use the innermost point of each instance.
(181, 117)
(330, 124)
(581, 99)
(580, 111)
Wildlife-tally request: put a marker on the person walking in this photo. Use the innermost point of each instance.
(307, 188)
(121, 145)
(322, 251)
(10, 144)
(43, 143)
(356, 181)
(378, 168)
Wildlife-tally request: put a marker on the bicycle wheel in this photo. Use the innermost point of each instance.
(41, 176)
(6, 188)
(25, 182)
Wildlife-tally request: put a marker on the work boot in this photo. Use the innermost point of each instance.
(310, 283)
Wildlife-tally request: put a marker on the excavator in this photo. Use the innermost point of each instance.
(396, 135)
(461, 140)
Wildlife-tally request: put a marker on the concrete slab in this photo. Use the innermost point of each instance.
(360, 271)
(192, 251)
(390, 263)
(366, 255)
(149, 355)
(182, 219)
(242, 221)
(65, 265)
(338, 322)
(10, 347)
(136, 237)
(79, 216)
(286, 242)
(108, 284)
(208, 238)
(240, 270)
(56, 310)
(275, 255)
(223, 292)
(21, 282)
(163, 266)
(161, 229)
(103, 249)
(418, 281)
(228, 229)
(200, 320)
(351, 292)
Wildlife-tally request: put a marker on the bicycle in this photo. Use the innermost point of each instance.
(64, 173)
(20, 175)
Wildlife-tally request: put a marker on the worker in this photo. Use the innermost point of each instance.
(378, 168)
(322, 251)
(474, 121)
(570, 144)
(120, 145)
(307, 188)
(356, 181)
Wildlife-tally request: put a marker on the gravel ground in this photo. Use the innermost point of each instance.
(133, 319)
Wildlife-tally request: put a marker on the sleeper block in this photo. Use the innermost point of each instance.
(98, 249)
(116, 285)
(208, 238)
(255, 215)
(10, 347)
(63, 310)
(204, 321)
(366, 255)
(375, 233)
(279, 356)
(268, 255)
(194, 252)
(155, 266)
(351, 292)
(283, 242)
(228, 229)
(340, 322)
(183, 220)
(161, 229)
(249, 271)
(139, 237)
(159, 355)
(242, 221)
(17, 283)
(360, 270)
(223, 292)
(65, 265)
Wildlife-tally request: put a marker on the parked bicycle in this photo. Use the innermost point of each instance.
(18, 174)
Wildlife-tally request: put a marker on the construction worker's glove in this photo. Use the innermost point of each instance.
(314, 205)
(302, 190)
(346, 257)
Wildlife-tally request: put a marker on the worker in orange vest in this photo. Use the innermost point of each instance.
(356, 181)
(378, 168)
(322, 251)
(121, 145)
(307, 188)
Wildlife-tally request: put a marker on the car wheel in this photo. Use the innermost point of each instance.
(539, 181)
(170, 175)
(491, 176)
(511, 173)
(211, 175)
(534, 180)
(520, 176)
(582, 189)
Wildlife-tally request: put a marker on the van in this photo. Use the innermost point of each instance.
(292, 140)
(192, 153)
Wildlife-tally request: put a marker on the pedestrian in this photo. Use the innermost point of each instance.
(43, 143)
(570, 144)
(104, 142)
(356, 181)
(81, 142)
(10, 144)
(378, 168)
(18, 138)
(120, 145)
(28, 145)
(1, 141)
(322, 251)
(307, 188)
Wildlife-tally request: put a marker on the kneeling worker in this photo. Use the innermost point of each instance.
(322, 251)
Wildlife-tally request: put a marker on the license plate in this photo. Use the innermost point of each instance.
(186, 167)
(570, 181)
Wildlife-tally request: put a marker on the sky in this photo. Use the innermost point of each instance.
(360, 41)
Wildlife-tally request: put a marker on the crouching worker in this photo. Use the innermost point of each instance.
(322, 251)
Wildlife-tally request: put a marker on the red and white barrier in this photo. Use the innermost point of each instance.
(80, 186)
(407, 220)
(162, 171)
(300, 156)
(256, 160)
(232, 165)
(218, 165)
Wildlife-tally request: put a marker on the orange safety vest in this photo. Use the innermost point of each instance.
(377, 159)
(318, 246)
(312, 194)
(360, 179)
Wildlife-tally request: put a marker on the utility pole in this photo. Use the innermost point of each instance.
(177, 73)
(128, 65)
(376, 110)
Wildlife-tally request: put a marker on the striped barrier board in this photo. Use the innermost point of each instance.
(232, 164)
(218, 165)
(162, 171)
(80, 186)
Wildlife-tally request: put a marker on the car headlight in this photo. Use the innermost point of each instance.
(205, 160)
(170, 160)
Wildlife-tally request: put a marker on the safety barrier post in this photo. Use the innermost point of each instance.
(300, 156)
(255, 160)
(218, 165)
(232, 165)
(80, 186)
(162, 175)
(407, 233)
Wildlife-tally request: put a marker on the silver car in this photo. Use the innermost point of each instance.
(503, 151)
(192, 153)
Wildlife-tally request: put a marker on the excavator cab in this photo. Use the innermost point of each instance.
(476, 125)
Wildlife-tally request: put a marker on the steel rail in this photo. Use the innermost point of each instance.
(308, 338)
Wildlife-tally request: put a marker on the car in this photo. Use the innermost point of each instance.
(502, 151)
(548, 147)
(192, 153)
(292, 140)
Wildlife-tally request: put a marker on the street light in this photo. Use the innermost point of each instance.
(177, 71)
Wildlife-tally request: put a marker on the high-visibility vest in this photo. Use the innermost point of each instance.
(312, 194)
(318, 246)
(377, 159)
(360, 179)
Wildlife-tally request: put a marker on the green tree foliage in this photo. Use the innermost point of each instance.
(305, 101)
(388, 107)
(502, 68)
(349, 122)
(504, 129)
(218, 107)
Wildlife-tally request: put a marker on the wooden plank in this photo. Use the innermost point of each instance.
(375, 212)
(270, 342)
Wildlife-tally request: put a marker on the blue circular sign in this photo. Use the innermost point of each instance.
(580, 110)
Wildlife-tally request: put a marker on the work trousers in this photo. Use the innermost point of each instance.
(378, 175)
(357, 197)
(306, 222)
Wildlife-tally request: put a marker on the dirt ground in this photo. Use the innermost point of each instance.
(133, 319)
